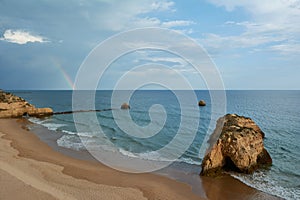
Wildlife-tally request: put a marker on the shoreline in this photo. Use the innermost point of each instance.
(46, 165)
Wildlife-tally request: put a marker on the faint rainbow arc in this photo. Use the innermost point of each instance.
(65, 75)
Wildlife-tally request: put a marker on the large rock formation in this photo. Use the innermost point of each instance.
(14, 106)
(238, 148)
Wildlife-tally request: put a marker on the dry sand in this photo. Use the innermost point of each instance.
(30, 169)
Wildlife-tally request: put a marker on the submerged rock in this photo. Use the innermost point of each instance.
(14, 106)
(201, 103)
(239, 147)
(125, 106)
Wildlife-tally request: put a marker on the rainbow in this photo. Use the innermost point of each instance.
(64, 73)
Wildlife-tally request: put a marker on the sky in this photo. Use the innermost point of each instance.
(253, 44)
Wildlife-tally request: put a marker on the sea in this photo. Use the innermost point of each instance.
(277, 113)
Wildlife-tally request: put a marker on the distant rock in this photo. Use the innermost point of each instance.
(201, 103)
(14, 106)
(239, 147)
(125, 106)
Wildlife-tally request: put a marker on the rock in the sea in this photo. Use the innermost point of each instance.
(14, 106)
(201, 103)
(125, 106)
(239, 147)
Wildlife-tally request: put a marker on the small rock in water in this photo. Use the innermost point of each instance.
(125, 106)
(201, 103)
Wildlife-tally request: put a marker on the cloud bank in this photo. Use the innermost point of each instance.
(273, 24)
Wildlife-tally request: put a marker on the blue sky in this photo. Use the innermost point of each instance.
(254, 44)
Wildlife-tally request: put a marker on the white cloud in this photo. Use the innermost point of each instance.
(144, 22)
(163, 5)
(290, 48)
(155, 22)
(176, 63)
(125, 15)
(177, 23)
(276, 21)
(245, 40)
(258, 6)
(21, 37)
(186, 31)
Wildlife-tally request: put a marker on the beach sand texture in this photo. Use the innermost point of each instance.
(30, 169)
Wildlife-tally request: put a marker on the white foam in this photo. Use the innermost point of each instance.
(127, 153)
(155, 156)
(50, 126)
(189, 161)
(53, 126)
(152, 156)
(86, 134)
(83, 134)
(264, 183)
(69, 132)
(35, 120)
(68, 142)
(65, 141)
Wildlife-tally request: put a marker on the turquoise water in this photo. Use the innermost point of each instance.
(276, 112)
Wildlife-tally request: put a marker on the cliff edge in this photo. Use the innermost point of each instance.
(12, 106)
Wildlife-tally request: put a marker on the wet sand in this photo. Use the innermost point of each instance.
(37, 171)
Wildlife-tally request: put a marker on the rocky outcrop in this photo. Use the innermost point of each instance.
(238, 148)
(201, 103)
(125, 106)
(14, 106)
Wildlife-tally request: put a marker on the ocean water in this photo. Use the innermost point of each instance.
(276, 112)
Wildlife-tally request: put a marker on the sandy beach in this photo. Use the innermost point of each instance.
(30, 169)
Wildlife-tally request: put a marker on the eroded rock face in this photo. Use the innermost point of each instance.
(14, 106)
(239, 147)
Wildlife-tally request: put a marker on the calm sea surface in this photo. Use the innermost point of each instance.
(276, 112)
